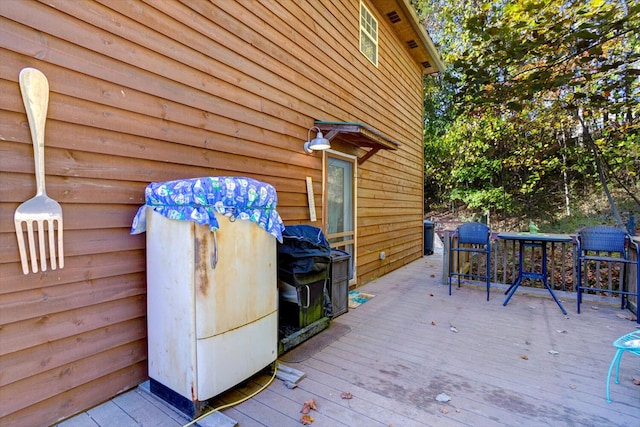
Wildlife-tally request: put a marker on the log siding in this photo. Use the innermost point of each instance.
(153, 90)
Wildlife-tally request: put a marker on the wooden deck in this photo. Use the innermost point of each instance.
(397, 352)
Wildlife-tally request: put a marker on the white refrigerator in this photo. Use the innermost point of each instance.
(212, 303)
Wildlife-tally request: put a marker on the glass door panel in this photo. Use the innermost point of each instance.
(340, 225)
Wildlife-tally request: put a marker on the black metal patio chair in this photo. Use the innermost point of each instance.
(470, 238)
(605, 244)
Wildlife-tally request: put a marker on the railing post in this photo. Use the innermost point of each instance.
(445, 256)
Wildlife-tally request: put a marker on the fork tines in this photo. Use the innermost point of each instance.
(47, 243)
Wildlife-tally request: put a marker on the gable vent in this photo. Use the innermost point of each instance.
(426, 64)
(412, 44)
(394, 17)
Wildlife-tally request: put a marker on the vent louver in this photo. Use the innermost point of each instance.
(393, 17)
(426, 64)
(412, 44)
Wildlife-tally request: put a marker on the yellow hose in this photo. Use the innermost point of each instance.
(228, 405)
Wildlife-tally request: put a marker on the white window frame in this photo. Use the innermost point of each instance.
(368, 34)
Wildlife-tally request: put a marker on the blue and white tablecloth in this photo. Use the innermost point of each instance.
(199, 199)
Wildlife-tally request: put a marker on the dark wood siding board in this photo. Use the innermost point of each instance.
(277, 60)
(217, 78)
(389, 185)
(395, 253)
(399, 105)
(393, 206)
(370, 178)
(35, 360)
(93, 165)
(45, 301)
(391, 237)
(118, 119)
(404, 220)
(350, 39)
(153, 91)
(111, 193)
(371, 261)
(287, 27)
(391, 214)
(77, 269)
(81, 216)
(18, 187)
(317, 51)
(179, 123)
(407, 168)
(373, 197)
(79, 399)
(256, 80)
(50, 383)
(28, 333)
(243, 55)
(83, 242)
(168, 90)
(392, 118)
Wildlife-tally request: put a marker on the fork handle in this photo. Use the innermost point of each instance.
(35, 96)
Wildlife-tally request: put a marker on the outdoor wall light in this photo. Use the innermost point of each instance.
(316, 144)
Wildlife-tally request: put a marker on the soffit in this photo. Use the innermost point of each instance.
(404, 20)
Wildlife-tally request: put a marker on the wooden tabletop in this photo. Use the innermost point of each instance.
(535, 237)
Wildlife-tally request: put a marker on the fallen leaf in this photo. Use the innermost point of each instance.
(346, 395)
(554, 352)
(593, 307)
(626, 316)
(458, 410)
(433, 323)
(308, 405)
(306, 420)
(430, 295)
(572, 386)
(453, 329)
(561, 331)
(635, 380)
(444, 410)
(524, 357)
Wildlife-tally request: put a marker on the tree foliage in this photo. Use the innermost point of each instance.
(537, 93)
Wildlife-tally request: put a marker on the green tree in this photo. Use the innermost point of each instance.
(542, 89)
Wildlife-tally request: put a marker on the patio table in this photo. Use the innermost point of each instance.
(537, 240)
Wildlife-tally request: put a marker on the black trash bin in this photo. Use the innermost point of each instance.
(429, 233)
(340, 275)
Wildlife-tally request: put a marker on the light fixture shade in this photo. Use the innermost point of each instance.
(318, 143)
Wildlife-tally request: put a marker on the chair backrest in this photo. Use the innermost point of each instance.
(602, 238)
(474, 233)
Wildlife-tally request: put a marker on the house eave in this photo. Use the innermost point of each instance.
(404, 20)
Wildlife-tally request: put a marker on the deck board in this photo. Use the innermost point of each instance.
(400, 353)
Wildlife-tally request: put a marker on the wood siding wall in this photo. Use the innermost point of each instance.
(156, 90)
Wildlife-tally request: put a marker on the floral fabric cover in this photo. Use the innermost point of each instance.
(199, 199)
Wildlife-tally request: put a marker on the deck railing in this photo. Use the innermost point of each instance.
(561, 269)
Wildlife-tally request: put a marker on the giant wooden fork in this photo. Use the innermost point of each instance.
(39, 210)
